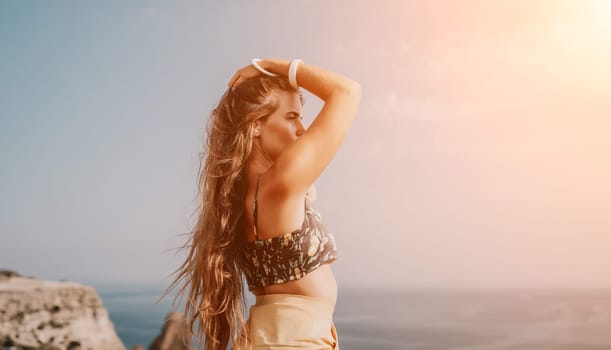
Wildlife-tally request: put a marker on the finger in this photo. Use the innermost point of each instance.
(232, 80)
(237, 82)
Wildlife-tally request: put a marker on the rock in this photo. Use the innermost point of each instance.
(49, 315)
(174, 335)
(6, 274)
(9, 273)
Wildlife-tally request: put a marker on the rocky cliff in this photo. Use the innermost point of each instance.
(174, 335)
(38, 314)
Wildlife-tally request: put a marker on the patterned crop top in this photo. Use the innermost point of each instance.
(290, 256)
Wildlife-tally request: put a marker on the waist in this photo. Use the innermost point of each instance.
(315, 306)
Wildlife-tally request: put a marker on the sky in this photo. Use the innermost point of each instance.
(479, 158)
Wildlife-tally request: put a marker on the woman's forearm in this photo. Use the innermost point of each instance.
(319, 81)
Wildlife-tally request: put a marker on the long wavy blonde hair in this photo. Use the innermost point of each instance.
(211, 275)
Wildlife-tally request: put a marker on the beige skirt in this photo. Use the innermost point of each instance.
(289, 321)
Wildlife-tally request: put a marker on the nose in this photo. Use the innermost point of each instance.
(300, 128)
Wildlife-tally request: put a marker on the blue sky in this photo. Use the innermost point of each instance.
(479, 156)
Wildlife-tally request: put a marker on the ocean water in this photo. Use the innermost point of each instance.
(133, 310)
(421, 319)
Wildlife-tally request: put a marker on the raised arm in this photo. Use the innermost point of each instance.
(302, 162)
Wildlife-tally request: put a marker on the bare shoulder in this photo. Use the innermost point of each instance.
(278, 186)
(278, 211)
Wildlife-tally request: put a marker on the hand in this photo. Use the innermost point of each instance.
(242, 74)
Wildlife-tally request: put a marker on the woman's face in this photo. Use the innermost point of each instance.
(282, 127)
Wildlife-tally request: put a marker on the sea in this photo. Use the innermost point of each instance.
(420, 319)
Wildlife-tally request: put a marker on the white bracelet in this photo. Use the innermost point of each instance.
(255, 62)
(293, 72)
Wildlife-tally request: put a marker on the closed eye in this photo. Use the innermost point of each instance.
(295, 115)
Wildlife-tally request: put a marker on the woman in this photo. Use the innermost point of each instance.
(257, 217)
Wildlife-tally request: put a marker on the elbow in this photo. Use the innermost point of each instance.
(355, 93)
(355, 89)
(346, 88)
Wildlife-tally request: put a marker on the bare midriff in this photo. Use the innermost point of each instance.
(319, 283)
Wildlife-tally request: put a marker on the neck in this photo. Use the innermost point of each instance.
(258, 164)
